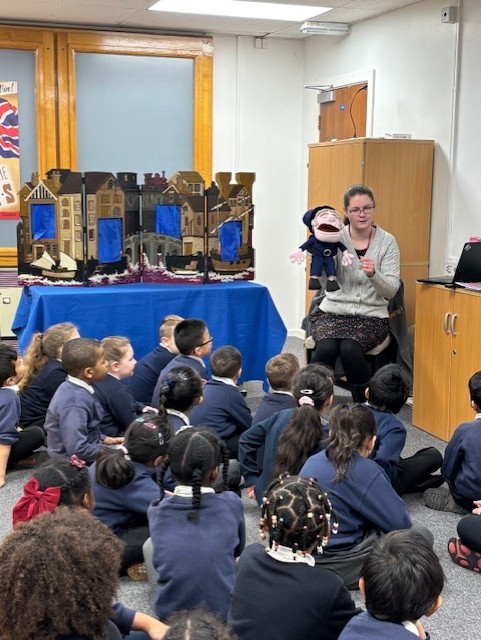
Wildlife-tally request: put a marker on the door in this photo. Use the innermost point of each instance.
(432, 359)
(345, 116)
(466, 358)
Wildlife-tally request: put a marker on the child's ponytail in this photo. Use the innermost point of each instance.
(180, 389)
(349, 427)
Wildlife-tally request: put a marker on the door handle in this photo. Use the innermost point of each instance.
(447, 323)
(453, 324)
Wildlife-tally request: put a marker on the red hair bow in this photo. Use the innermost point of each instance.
(34, 502)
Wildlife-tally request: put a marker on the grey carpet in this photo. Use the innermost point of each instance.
(457, 618)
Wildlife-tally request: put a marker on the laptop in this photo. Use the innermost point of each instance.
(468, 270)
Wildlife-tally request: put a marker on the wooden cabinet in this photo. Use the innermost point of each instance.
(446, 354)
(400, 174)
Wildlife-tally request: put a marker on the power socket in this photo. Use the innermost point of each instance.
(449, 15)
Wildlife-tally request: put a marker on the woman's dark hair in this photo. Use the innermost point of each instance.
(197, 624)
(146, 438)
(180, 388)
(357, 190)
(193, 452)
(348, 429)
(389, 389)
(297, 513)
(59, 575)
(72, 480)
(304, 432)
(402, 576)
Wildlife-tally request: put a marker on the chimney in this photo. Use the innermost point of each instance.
(223, 179)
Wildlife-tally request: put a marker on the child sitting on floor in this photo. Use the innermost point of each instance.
(386, 394)
(119, 406)
(194, 343)
(465, 551)
(401, 581)
(280, 372)
(360, 492)
(44, 372)
(124, 484)
(147, 370)
(16, 445)
(180, 392)
(313, 389)
(74, 414)
(224, 408)
(66, 483)
(196, 533)
(281, 594)
(461, 468)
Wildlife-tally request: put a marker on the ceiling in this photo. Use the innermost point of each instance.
(132, 15)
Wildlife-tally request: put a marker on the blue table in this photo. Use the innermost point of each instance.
(241, 314)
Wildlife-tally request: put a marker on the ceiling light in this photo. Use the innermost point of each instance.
(241, 9)
(325, 28)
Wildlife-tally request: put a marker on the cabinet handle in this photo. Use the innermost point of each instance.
(447, 316)
(453, 324)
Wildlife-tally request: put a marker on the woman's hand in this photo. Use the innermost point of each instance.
(368, 266)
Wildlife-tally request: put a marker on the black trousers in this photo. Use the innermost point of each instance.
(413, 471)
(28, 441)
(354, 363)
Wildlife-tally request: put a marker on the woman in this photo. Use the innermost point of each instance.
(355, 319)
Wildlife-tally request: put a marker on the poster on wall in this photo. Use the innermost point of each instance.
(9, 152)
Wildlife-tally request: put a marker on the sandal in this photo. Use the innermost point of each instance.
(463, 556)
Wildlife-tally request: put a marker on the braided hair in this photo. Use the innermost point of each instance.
(349, 427)
(312, 388)
(193, 453)
(297, 513)
(180, 389)
(146, 438)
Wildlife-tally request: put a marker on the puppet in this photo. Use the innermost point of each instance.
(326, 226)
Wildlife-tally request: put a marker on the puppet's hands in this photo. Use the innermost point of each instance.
(346, 258)
(297, 256)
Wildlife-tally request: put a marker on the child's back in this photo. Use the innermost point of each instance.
(196, 533)
(279, 593)
(147, 370)
(224, 408)
(280, 371)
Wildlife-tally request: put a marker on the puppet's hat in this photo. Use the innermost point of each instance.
(308, 217)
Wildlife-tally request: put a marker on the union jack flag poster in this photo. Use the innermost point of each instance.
(9, 151)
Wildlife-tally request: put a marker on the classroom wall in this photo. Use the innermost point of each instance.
(257, 126)
(422, 80)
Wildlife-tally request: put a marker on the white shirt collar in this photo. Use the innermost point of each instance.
(477, 416)
(286, 393)
(225, 380)
(185, 491)
(198, 360)
(410, 626)
(285, 554)
(179, 414)
(81, 383)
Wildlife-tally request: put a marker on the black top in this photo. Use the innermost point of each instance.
(36, 396)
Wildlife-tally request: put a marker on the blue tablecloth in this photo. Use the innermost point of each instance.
(241, 314)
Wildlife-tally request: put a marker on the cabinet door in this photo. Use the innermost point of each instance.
(432, 359)
(466, 356)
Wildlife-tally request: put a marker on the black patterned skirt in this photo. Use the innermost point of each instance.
(368, 331)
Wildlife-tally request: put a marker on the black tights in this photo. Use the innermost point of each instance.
(352, 357)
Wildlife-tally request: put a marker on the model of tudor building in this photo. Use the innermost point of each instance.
(98, 228)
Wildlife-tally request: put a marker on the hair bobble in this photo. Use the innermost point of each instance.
(170, 383)
(125, 451)
(77, 462)
(307, 392)
(306, 400)
(34, 502)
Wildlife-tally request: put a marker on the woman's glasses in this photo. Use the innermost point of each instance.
(357, 210)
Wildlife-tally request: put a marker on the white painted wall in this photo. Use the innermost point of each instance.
(257, 127)
(264, 120)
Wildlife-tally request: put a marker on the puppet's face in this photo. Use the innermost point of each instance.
(327, 226)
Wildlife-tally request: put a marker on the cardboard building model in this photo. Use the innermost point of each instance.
(99, 229)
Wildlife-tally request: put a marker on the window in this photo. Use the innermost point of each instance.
(78, 221)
